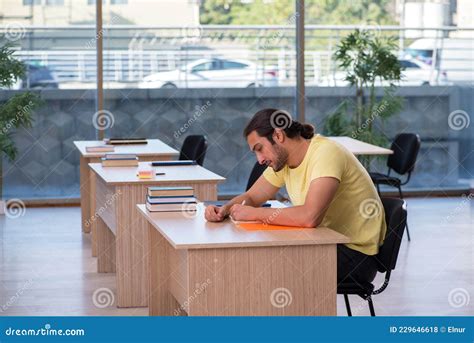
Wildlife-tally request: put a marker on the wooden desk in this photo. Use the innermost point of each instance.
(121, 233)
(155, 150)
(215, 269)
(360, 148)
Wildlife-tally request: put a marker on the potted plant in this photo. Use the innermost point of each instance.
(16, 112)
(366, 58)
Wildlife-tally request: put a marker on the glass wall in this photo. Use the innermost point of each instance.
(204, 70)
(435, 88)
(182, 67)
(56, 42)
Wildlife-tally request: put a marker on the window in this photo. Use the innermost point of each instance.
(92, 2)
(118, 2)
(408, 64)
(203, 67)
(54, 2)
(47, 161)
(31, 2)
(233, 65)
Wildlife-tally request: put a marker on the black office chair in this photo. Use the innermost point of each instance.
(395, 217)
(405, 151)
(194, 148)
(256, 172)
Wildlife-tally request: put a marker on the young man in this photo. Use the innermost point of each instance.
(327, 186)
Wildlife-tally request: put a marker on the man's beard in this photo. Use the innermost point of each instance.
(281, 157)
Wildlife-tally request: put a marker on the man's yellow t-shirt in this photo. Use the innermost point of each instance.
(356, 210)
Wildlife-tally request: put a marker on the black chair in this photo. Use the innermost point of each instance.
(395, 217)
(257, 170)
(405, 151)
(194, 148)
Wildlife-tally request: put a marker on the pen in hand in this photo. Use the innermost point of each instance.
(243, 203)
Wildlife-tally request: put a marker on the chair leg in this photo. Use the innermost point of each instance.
(401, 197)
(348, 305)
(400, 192)
(371, 306)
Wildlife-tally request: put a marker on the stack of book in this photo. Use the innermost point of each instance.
(171, 199)
(120, 160)
(116, 141)
(100, 148)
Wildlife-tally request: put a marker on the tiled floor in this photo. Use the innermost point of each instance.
(46, 266)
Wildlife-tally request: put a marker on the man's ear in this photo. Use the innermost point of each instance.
(279, 136)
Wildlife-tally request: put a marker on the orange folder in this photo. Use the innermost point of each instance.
(262, 226)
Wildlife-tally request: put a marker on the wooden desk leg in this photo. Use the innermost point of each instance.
(160, 302)
(85, 194)
(93, 211)
(132, 248)
(106, 245)
(263, 281)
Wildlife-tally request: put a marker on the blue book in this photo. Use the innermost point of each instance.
(173, 163)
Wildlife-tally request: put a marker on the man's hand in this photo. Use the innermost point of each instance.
(242, 212)
(215, 213)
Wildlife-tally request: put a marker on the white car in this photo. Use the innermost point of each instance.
(416, 73)
(215, 72)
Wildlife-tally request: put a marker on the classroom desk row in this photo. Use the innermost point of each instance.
(162, 259)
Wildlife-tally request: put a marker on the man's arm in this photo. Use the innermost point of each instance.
(320, 195)
(260, 192)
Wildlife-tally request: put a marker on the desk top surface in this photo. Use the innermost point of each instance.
(192, 231)
(155, 147)
(173, 174)
(361, 148)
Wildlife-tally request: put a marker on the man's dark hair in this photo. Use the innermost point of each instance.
(267, 120)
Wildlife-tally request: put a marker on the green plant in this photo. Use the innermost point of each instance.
(16, 112)
(366, 59)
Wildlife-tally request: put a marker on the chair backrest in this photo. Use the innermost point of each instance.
(194, 148)
(405, 148)
(396, 218)
(257, 170)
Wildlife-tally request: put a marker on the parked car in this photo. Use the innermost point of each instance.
(215, 72)
(36, 76)
(454, 55)
(415, 73)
